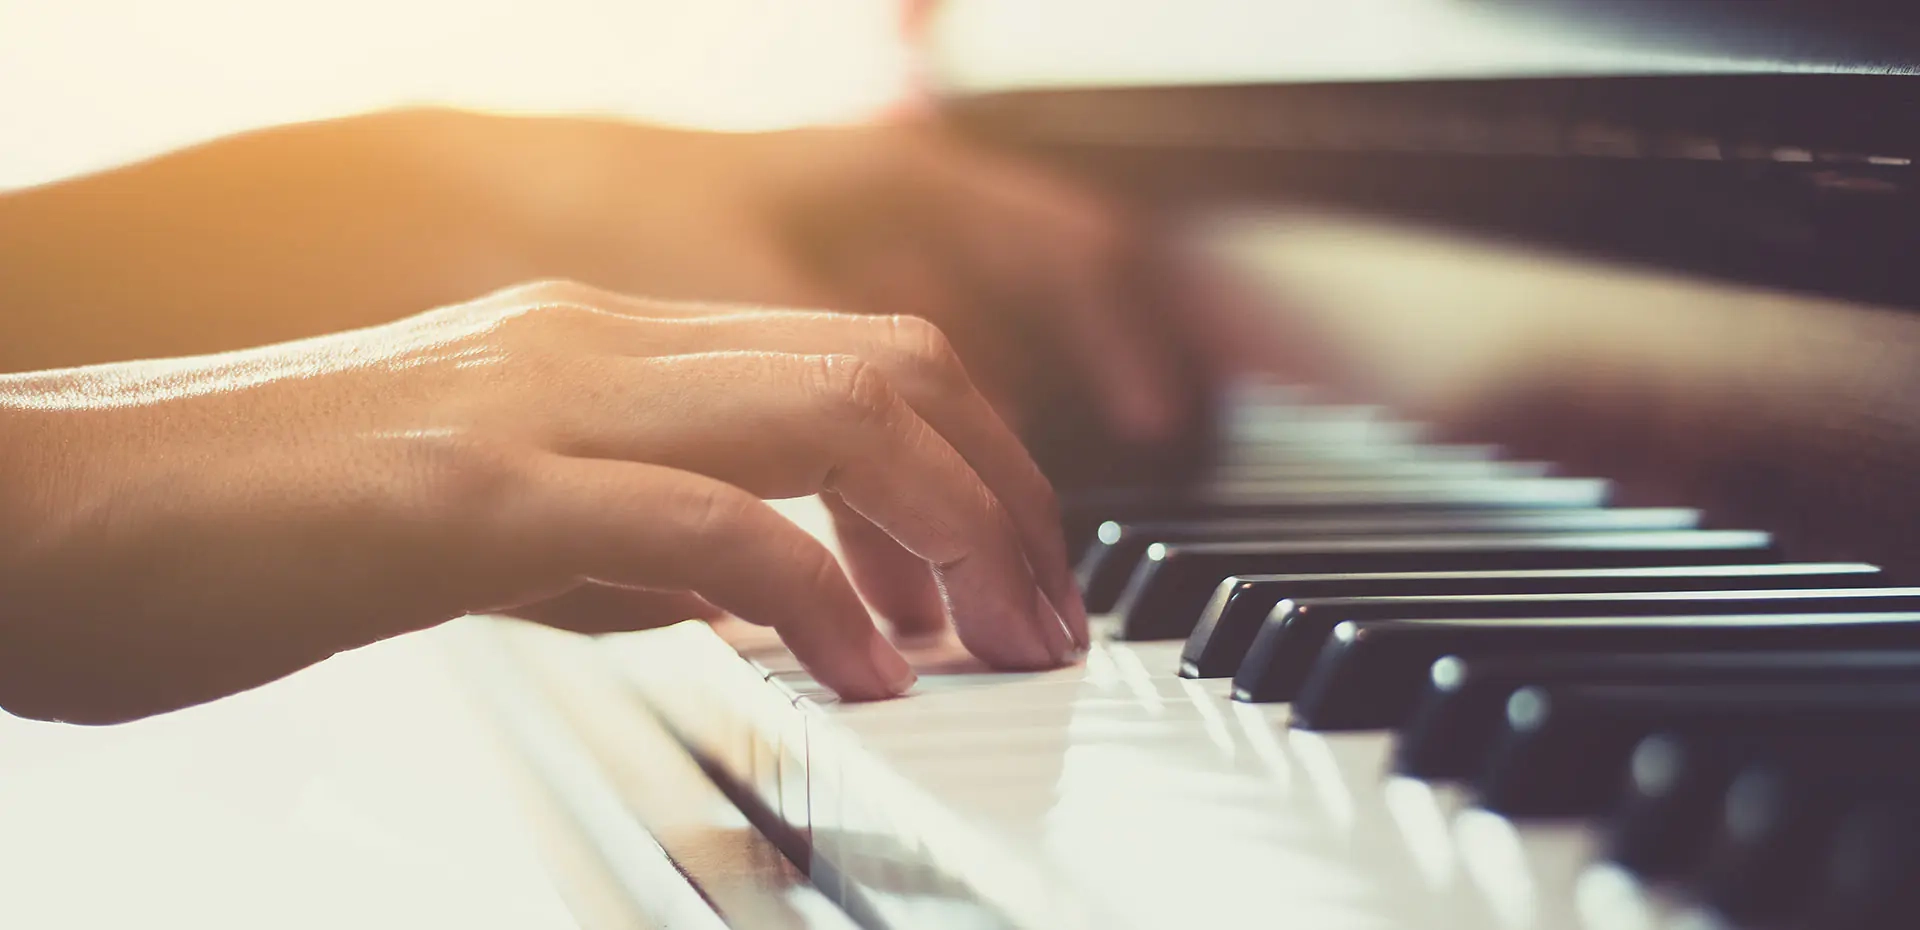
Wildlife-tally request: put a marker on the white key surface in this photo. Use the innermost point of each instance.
(1113, 794)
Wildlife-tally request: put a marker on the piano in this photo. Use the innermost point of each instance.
(1555, 573)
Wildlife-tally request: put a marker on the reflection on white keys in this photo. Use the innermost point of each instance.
(1112, 795)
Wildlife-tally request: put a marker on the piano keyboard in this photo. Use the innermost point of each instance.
(1359, 681)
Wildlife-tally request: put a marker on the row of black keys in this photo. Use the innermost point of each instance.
(1735, 715)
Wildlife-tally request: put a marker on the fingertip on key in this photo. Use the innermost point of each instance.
(1054, 630)
(895, 675)
(1075, 616)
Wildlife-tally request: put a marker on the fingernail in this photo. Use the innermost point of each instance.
(894, 671)
(1076, 615)
(1059, 636)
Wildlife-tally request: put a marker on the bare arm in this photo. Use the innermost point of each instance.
(271, 235)
(181, 529)
(318, 227)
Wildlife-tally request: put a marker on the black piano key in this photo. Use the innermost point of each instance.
(1233, 618)
(1294, 645)
(1868, 877)
(1370, 673)
(1455, 720)
(1757, 868)
(1565, 749)
(1669, 808)
(1083, 513)
(1778, 821)
(1676, 783)
(1166, 595)
(1111, 560)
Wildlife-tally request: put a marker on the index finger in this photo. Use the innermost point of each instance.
(783, 425)
(919, 363)
(626, 523)
(922, 366)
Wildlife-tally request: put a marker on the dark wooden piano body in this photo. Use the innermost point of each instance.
(1685, 255)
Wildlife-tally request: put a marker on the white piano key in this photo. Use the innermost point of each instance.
(1527, 873)
(1609, 897)
(1113, 795)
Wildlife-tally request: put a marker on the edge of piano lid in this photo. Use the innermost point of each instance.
(1673, 249)
(1798, 181)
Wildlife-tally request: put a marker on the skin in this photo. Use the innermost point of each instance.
(180, 528)
(308, 229)
(203, 525)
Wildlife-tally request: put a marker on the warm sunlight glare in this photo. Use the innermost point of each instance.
(89, 83)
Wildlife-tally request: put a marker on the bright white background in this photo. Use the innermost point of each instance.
(363, 793)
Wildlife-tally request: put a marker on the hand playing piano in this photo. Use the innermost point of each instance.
(186, 528)
(1020, 267)
(309, 229)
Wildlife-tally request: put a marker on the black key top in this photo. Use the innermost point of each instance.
(1777, 821)
(1083, 513)
(1867, 879)
(1294, 644)
(1233, 618)
(1370, 674)
(1168, 592)
(1676, 784)
(1566, 746)
(1752, 871)
(1670, 807)
(1111, 560)
(1456, 719)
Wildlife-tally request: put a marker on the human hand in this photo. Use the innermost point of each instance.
(182, 529)
(319, 227)
(1028, 273)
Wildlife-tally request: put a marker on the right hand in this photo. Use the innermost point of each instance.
(193, 527)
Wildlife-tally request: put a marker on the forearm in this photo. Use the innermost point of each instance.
(254, 239)
(27, 472)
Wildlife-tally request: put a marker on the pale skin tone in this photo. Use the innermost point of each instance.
(182, 528)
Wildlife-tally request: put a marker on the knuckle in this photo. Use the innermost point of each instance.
(546, 335)
(550, 290)
(548, 316)
(923, 349)
(852, 388)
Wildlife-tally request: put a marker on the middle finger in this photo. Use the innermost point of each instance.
(922, 366)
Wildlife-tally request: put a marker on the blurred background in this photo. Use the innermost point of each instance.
(85, 84)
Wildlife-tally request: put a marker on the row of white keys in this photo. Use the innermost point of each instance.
(1115, 795)
(723, 709)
